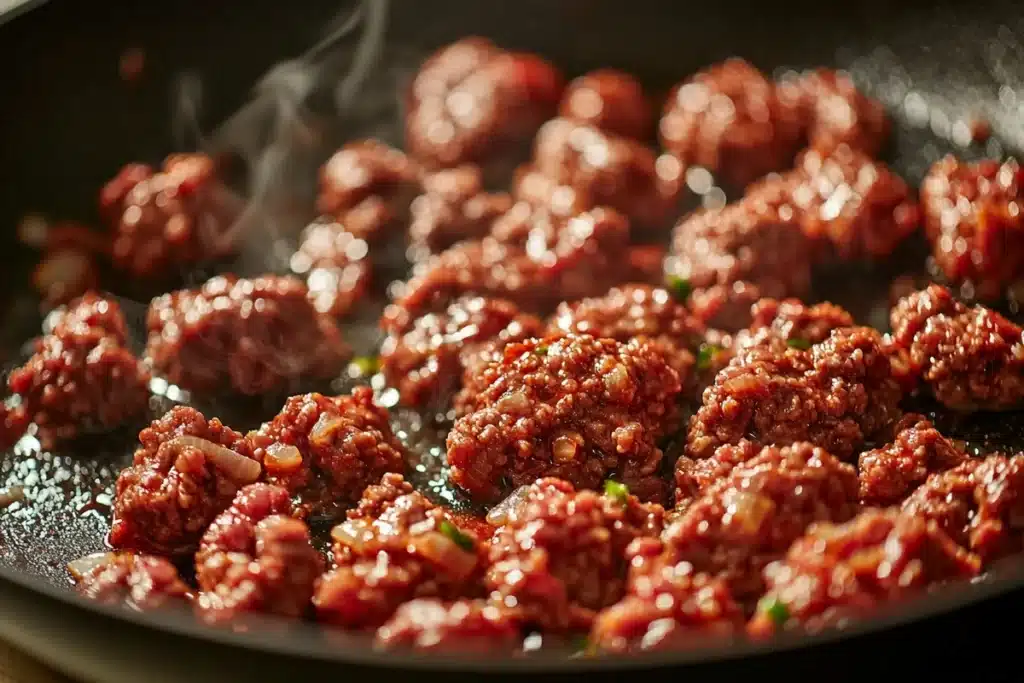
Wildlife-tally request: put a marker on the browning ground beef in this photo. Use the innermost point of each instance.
(394, 547)
(13, 423)
(426, 362)
(90, 311)
(632, 311)
(169, 220)
(740, 253)
(840, 114)
(978, 503)
(560, 556)
(973, 219)
(462, 626)
(889, 474)
(326, 450)
(143, 582)
(791, 321)
(250, 336)
(838, 571)
(836, 394)
(751, 515)
(472, 99)
(667, 607)
(693, 477)
(256, 558)
(364, 180)
(573, 407)
(453, 208)
(185, 472)
(969, 358)
(610, 100)
(733, 121)
(336, 266)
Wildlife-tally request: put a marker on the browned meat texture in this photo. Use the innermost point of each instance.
(394, 547)
(694, 477)
(978, 503)
(336, 266)
(793, 322)
(573, 407)
(453, 208)
(973, 219)
(838, 571)
(610, 100)
(969, 358)
(326, 450)
(836, 394)
(426, 361)
(250, 336)
(461, 626)
(169, 220)
(561, 554)
(180, 479)
(143, 582)
(93, 312)
(472, 99)
(890, 473)
(839, 113)
(256, 558)
(733, 121)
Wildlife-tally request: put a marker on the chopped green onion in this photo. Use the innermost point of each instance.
(367, 365)
(616, 491)
(541, 350)
(461, 539)
(706, 355)
(679, 286)
(774, 609)
(581, 645)
(798, 343)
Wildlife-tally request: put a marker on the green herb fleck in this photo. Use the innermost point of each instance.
(798, 343)
(366, 365)
(774, 609)
(461, 539)
(581, 646)
(679, 286)
(706, 355)
(541, 350)
(616, 490)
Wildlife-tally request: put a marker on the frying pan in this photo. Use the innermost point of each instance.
(69, 122)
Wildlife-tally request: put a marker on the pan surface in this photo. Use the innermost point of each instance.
(75, 122)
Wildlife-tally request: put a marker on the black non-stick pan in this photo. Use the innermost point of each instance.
(68, 121)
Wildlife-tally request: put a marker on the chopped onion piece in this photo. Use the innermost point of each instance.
(239, 468)
(324, 429)
(84, 565)
(506, 511)
(443, 551)
(353, 533)
(282, 459)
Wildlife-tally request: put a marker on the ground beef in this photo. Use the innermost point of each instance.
(583, 257)
(667, 606)
(840, 114)
(453, 208)
(169, 220)
(173, 489)
(336, 266)
(741, 253)
(610, 100)
(889, 474)
(250, 336)
(256, 558)
(633, 311)
(647, 264)
(751, 515)
(462, 626)
(603, 169)
(79, 381)
(472, 99)
(13, 423)
(969, 358)
(836, 571)
(793, 322)
(343, 445)
(836, 394)
(366, 186)
(143, 582)
(64, 273)
(693, 477)
(573, 407)
(979, 504)
(394, 547)
(973, 219)
(425, 362)
(733, 121)
(561, 555)
(90, 311)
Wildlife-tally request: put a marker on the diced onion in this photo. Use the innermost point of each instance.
(84, 565)
(282, 459)
(324, 429)
(443, 551)
(239, 468)
(565, 446)
(353, 533)
(506, 511)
